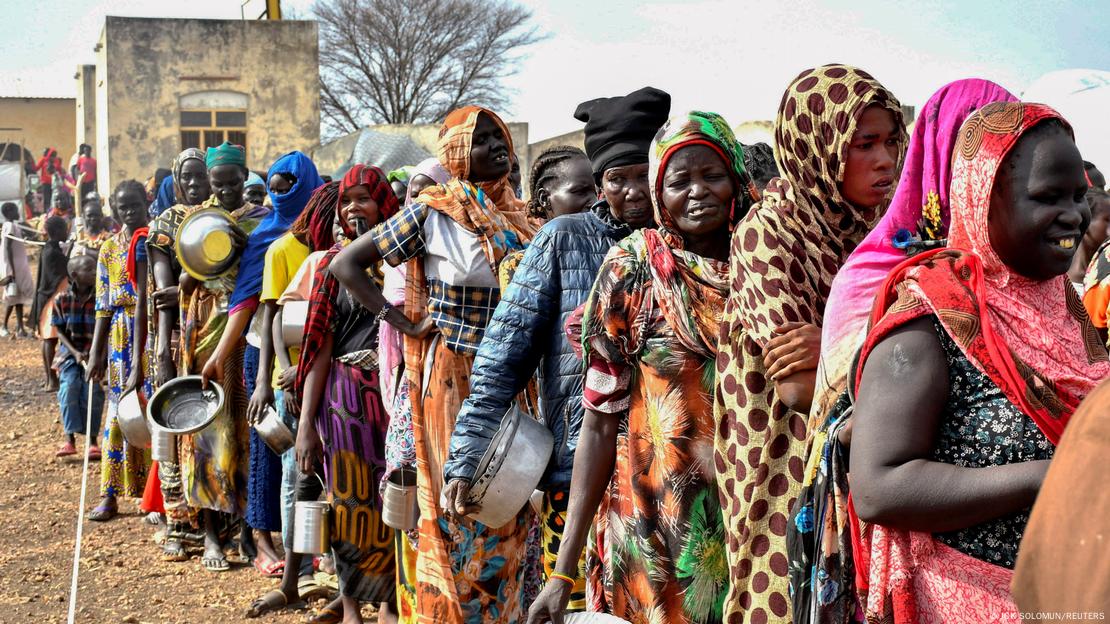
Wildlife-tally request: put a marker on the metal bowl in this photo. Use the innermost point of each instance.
(511, 468)
(274, 433)
(132, 420)
(181, 406)
(206, 243)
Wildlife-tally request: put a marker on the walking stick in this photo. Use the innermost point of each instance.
(81, 509)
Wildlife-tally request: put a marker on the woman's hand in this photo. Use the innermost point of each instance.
(262, 398)
(456, 494)
(308, 449)
(420, 329)
(94, 369)
(795, 349)
(213, 370)
(551, 603)
(287, 379)
(166, 298)
(133, 381)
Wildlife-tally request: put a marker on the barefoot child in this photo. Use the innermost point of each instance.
(74, 320)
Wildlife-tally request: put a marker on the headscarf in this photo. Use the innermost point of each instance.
(253, 179)
(429, 167)
(920, 206)
(316, 224)
(179, 164)
(1031, 338)
(401, 174)
(226, 154)
(287, 207)
(490, 210)
(165, 198)
(321, 309)
(688, 289)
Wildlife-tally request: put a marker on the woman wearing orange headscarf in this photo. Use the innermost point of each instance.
(453, 238)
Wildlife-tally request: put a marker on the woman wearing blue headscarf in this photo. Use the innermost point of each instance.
(165, 199)
(292, 180)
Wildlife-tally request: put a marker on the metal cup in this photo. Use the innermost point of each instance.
(163, 445)
(310, 527)
(400, 508)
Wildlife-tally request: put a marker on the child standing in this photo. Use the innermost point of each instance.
(15, 272)
(51, 282)
(74, 320)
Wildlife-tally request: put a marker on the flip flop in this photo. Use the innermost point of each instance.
(271, 601)
(327, 615)
(273, 569)
(173, 550)
(67, 449)
(309, 590)
(103, 513)
(94, 453)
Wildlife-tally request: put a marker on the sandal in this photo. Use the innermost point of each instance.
(94, 453)
(330, 614)
(103, 513)
(172, 550)
(66, 450)
(273, 600)
(274, 569)
(215, 564)
(309, 590)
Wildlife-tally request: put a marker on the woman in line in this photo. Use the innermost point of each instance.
(453, 237)
(839, 140)
(189, 180)
(53, 279)
(214, 461)
(649, 337)
(292, 179)
(341, 409)
(124, 468)
(15, 272)
(94, 230)
(977, 357)
(822, 575)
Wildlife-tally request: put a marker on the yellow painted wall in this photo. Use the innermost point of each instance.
(147, 64)
(40, 123)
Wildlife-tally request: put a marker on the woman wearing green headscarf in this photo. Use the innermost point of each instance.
(644, 462)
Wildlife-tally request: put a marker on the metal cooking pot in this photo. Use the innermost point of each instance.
(274, 433)
(310, 527)
(163, 445)
(180, 406)
(400, 508)
(294, 315)
(207, 243)
(131, 417)
(511, 468)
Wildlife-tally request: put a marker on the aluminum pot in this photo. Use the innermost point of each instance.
(274, 433)
(163, 445)
(131, 417)
(510, 470)
(180, 406)
(293, 317)
(207, 243)
(311, 535)
(400, 508)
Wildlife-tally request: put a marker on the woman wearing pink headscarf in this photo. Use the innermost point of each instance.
(820, 552)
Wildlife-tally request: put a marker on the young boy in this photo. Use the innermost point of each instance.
(75, 318)
(53, 271)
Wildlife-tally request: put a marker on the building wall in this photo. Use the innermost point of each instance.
(148, 65)
(86, 105)
(39, 123)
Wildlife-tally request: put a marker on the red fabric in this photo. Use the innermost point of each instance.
(87, 166)
(137, 238)
(377, 183)
(152, 494)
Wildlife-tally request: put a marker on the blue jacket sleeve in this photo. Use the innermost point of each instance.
(513, 345)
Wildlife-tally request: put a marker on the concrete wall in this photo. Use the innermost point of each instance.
(86, 105)
(147, 65)
(39, 123)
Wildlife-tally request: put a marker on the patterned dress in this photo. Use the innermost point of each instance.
(785, 254)
(123, 468)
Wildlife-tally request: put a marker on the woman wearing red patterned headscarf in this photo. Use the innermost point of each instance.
(453, 237)
(342, 417)
(976, 359)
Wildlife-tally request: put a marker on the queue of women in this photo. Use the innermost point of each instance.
(825, 387)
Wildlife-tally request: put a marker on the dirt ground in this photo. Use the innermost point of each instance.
(122, 577)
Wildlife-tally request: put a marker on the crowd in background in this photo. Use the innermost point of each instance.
(819, 381)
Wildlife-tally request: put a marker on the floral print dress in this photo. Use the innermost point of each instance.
(124, 467)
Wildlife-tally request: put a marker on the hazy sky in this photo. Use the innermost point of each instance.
(731, 56)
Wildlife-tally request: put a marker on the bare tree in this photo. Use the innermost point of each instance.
(393, 61)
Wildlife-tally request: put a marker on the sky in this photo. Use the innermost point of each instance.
(734, 57)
